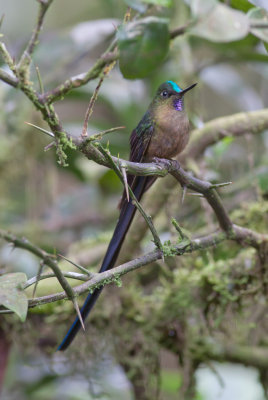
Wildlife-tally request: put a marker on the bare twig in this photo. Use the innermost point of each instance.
(82, 79)
(41, 266)
(90, 107)
(77, 266)
(41, 86)
(179, 31)
(93, 99)
(99, 136)
(124, 174)
(71, 275)
(25, 60)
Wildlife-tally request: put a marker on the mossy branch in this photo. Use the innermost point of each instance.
(112, 275)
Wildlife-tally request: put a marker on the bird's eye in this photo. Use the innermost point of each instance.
(164, 93)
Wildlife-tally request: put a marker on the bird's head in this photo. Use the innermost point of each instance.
(170, 94)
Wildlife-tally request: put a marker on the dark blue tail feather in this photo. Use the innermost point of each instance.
(124, 221)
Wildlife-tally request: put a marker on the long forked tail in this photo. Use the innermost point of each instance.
(123, 224)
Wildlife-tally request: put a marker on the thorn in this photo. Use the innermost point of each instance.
(196, 194)
(41, 129)
(184, 191)
(76, 265)
(78, 313)
(37, 278)
(217, 185)
(99, 136)
(125, 181)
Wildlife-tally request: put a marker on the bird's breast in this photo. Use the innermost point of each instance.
(170, 136)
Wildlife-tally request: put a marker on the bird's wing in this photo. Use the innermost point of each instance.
(140, 138)
(139, 142)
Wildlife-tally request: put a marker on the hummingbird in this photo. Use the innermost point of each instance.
(163, 132)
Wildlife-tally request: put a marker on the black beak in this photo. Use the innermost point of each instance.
(188, 88)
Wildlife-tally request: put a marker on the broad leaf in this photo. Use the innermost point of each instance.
(243, 5)
(12, 296)
(259, 16)
(143, 46)
(222, 24)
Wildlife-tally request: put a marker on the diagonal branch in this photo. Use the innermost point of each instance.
(77, 81)
(93, 99)
(25, 60)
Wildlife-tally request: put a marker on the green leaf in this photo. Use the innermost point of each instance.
(162, 3)
(143, 46)
(12, 296)
(243, 5)
(259, 16)
(222, 24)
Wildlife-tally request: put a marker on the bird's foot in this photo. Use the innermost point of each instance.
(169, 164)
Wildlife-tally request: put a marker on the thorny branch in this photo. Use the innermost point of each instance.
(185, 246)
(43, 102)
(213, 131)
(47, 259)
(162, 167)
